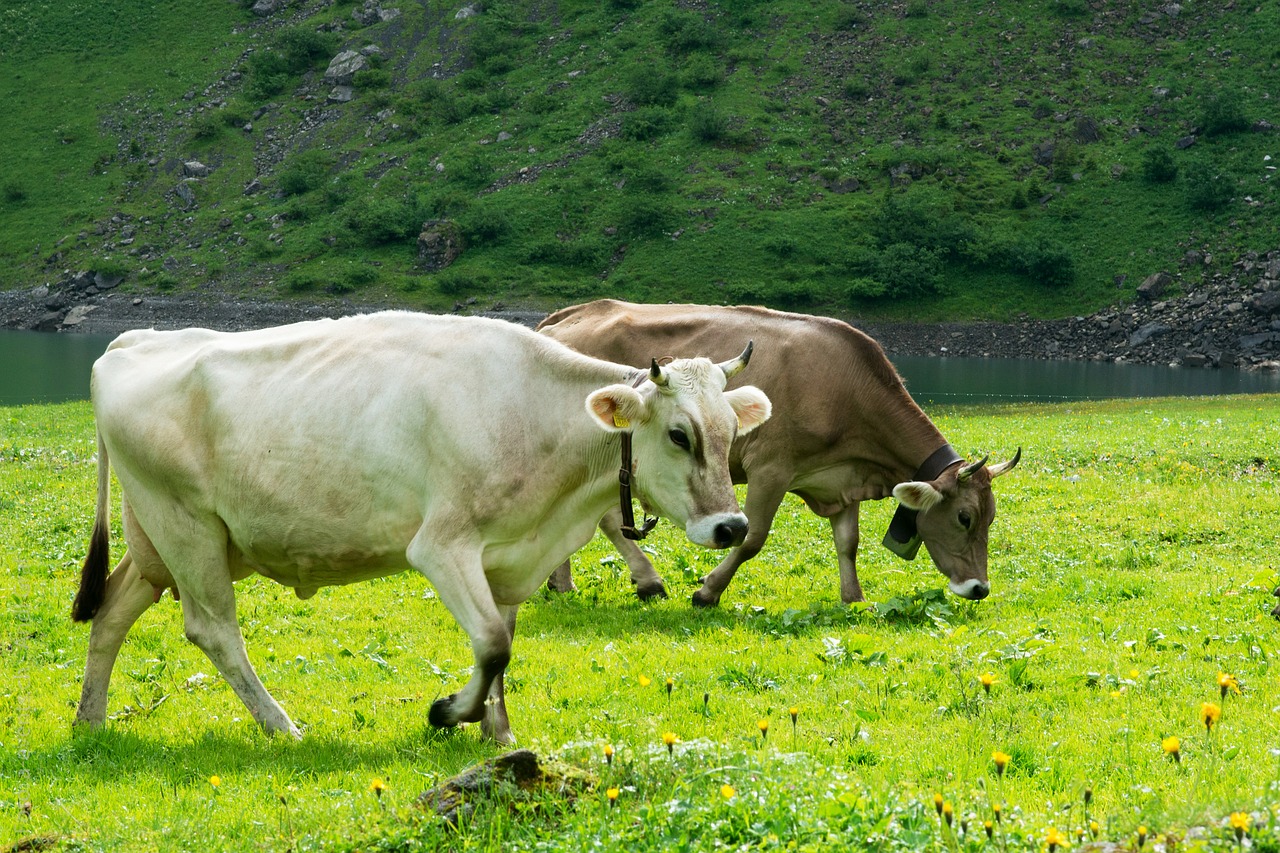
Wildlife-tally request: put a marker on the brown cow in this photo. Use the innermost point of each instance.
(844, 430)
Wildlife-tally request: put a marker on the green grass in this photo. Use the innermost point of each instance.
(679, 154)
(1132, 562)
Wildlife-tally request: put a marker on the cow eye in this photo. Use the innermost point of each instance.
(679, 438)
(966, 520)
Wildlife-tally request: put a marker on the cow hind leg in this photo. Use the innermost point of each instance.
(195, 552)
(561, 580)
(763, 500)
(127, 596)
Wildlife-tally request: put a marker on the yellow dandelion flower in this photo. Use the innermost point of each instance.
(1239, 821)
(987, 680)
(215, 781)
(670, 740)
(937, 803)
(377, 786)
(1094, 829)
(997, 811)
(1142, 836)
(1172, 747)
(728, 792)
(794, 711)
(763, 726)
(612, 794)
(645, 681)
(671, 682)
(1209, 714)
(1054, 839)
(948, 813)
(1228, 684)
(989, 828)
(608, 753)
(1133, 674)
(1001, 760)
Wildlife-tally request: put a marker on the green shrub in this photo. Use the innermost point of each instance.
(646, 216)
(485, 227)
(471, 171)
(856, 89)
(683, 32)
(702, 72)
(1207, 188)
(1044, 260)
(848, 18)
(372, 78)
(1158, 166)
(781, 245)
(305, 172)
(707, 124)
(646, 123)
(908, 270)
(14, 192)
(645, 85)
(376, 220)
(922, 217)
(206, 126)
(917, 9)
(1223, 112)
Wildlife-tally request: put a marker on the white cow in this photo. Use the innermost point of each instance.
(475, 451)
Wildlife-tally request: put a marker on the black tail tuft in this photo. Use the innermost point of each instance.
(93, 575)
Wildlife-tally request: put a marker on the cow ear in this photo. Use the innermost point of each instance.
(616, 407)
(750, 405)
(916, 495)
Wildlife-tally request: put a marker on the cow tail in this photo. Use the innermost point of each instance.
(93, 575)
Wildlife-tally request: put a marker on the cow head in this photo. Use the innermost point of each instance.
(682, 423)
(955, 513)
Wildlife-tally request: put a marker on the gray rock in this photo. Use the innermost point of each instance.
(1266, 303)
(265, 8)
(77, 314)
(106, 282)
(344, 67)
(341, 94)
(1147, 332)
(1154, 286)
(439, 244)
(195, 169)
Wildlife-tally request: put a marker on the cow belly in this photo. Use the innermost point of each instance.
(319, 564)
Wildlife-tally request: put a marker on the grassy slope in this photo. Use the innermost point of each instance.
(713, 192)
(1131, 563)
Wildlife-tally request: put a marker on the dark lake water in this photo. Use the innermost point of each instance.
(37, 367)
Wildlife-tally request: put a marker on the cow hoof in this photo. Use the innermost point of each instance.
(555, 587)
(648, 591)
(702, 598)
(441, 715)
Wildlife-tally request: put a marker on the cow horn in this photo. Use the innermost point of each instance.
(733, 367)
(657, 375)
(969, 470)
(1005, 467)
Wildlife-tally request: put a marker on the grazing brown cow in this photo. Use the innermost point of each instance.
(845, 430)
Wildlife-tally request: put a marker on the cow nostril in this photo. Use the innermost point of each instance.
(729, 533)
(979, 591)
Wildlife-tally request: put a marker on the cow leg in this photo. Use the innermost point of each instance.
(561, 579)
(763, 499)
(196, 555)
(644, 577)
(127, 596)
(494, 724)
(459, 579)
(844, 529)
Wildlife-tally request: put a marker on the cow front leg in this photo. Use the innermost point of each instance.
(763, 500)
(644, 577)
(494, 724)
(127, 596)
(844, 530)
(458, 576)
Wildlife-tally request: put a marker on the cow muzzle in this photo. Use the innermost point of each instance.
(723, 530)
(972, 589)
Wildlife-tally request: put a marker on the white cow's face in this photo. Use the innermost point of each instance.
(682, 423)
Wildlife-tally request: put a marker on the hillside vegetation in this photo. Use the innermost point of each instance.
(957, 158)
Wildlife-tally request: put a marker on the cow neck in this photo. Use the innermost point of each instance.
(903, 537)
(629, 529)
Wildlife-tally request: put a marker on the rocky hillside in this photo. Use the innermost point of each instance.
(961, 160)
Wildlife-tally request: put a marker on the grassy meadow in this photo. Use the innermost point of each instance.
(1132, 566)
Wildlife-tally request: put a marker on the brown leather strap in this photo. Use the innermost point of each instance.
(629, 529)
